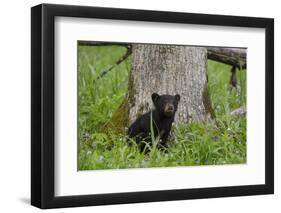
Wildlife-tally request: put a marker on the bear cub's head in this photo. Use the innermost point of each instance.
(166, 105)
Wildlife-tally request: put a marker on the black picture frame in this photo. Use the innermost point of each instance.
(43, 105)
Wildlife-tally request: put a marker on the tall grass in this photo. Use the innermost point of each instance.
(220, 142)
(99, 97)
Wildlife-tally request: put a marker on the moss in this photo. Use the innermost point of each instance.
(118, 121)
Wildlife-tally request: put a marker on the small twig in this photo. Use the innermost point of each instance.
(123, 58)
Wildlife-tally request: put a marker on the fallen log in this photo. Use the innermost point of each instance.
(233, 56)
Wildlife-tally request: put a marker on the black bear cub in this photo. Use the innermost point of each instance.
(162, 116)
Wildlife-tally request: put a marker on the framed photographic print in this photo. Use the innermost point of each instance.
(139, 106)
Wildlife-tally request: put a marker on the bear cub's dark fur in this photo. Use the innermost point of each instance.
(163, 116)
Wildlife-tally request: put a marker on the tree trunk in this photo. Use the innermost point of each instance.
(169, 69)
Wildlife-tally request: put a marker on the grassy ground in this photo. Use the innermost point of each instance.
(223, 142)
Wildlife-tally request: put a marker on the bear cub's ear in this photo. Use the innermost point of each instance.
(154, 97)
(178, 97)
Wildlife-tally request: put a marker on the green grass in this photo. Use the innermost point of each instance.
(99, 97)
(215, 143)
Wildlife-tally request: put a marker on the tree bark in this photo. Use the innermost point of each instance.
(232, 56)
(169, 69)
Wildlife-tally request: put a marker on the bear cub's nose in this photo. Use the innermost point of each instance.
(170, 108)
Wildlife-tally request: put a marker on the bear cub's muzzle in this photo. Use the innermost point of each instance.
(169, 109)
